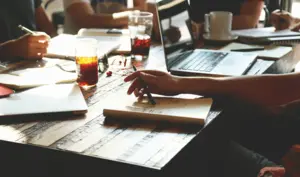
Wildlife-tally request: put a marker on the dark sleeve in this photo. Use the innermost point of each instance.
(37, 3)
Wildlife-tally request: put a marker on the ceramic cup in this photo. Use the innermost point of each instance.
(218, 24)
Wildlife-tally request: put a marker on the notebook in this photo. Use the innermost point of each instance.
(267, 36)
(180, 109)
(182, 59)
(5, 91)
(62, 98)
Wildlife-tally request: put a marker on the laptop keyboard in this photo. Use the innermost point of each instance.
(204, 61)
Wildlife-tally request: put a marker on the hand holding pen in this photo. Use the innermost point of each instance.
(33, 45)
(157, 82)
(150, 98)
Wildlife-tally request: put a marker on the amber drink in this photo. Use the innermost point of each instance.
(86, 62)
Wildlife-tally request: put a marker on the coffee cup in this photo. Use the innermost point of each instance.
(218, 24)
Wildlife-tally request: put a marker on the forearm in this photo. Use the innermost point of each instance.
(43, 23)
(268, 90)
(7, 50)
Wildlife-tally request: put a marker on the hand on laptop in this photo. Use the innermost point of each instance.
(158, 82)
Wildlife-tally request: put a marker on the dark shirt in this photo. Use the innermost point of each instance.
(199, 8)
(14, 13)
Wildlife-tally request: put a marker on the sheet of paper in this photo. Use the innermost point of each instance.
(270, 52)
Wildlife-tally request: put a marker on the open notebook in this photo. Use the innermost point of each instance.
(180, 109)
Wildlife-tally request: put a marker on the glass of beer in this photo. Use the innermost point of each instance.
(86, 62)
(140, 28)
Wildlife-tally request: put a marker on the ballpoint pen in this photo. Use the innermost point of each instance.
(23, 28)
(281, 20)
(152, 101)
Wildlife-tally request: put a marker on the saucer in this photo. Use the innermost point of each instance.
(223, 39)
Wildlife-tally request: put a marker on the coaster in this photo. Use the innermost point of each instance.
(4, 91)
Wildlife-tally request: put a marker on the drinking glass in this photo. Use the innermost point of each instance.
(86, 62)
(140, 28)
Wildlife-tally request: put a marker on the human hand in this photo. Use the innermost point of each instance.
(295, 27)
(281, 20)
(158, 82)
(32, 46)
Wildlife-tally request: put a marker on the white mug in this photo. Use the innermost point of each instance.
(218, 24)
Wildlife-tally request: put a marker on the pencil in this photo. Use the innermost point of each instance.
(23, 28)
(152, 101)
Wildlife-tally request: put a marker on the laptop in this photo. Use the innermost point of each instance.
(47, 99)
(183, 59)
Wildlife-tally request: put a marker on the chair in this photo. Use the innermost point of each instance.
(58, 18)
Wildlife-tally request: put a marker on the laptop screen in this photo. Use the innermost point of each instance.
(174, 24)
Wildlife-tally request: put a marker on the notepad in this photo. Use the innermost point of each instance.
(180, 109)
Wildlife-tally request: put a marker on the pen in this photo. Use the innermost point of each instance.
(23, 28)
(281, 20)
(281, 5)
(247, 49)
(152, 101)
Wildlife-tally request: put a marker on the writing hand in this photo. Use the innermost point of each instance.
(158, 82)
(281, 20)
(32, 46)
(295, 27)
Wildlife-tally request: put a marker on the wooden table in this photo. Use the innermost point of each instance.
(88, 146)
